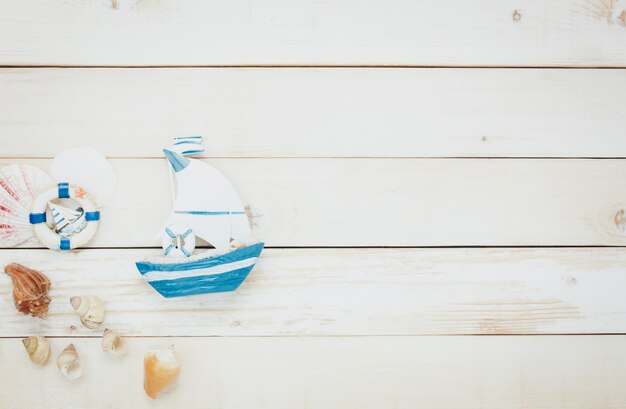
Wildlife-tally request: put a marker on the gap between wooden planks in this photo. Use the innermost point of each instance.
(336, 292)
(316, 112)
(391, 202)
(363, 372)
(351, 32)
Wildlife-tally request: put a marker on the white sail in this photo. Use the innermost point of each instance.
(207, 202)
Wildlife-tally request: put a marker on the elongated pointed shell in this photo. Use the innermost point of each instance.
(90, 309)
(161, 367)
(69, 363)
(30, 290)
(38, 349)
(113, 343)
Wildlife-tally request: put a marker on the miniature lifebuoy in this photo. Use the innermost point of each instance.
(49, 237)
(178, 241)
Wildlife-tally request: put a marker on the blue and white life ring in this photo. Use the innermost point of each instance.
(50, 238)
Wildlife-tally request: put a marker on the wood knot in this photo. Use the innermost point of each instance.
(571, 281)
(517, 16)
(620, 220)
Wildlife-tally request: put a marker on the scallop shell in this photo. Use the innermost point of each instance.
(30, 290)
(90, 309)
(69, 363)
(161, 367)
(19, 185)
(113, 343)
(38, 349)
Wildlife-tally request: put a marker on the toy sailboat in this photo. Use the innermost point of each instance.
(207, 206)
(67, 221)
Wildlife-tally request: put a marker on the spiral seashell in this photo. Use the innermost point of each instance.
(113, 343)
(30, 290)
(90, 309)
(69, 363)
(161, 367)
(38, 349)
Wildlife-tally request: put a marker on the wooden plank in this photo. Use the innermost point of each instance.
(355, 372)
(343, 292)
(316, 112)
(395, 32)
(389, 202)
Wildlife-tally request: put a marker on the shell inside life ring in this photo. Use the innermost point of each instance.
(178, 240)
(64, 217)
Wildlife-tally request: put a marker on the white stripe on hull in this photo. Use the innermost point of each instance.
(220, 269)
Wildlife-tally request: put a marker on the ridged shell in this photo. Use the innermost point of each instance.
(161, 367)
(113, 343)
(90, 309)
(38, 349)
(30, 290)
(69, 363)
(19, 186)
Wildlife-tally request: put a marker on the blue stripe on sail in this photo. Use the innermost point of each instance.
(183, 142)
(187, 233)
(241, 254)
(203, 213)
(170, 233)
(182, 138)
(185, 252)
(200, 285)
(60, 220)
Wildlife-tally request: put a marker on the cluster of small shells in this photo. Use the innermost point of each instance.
(30, 295)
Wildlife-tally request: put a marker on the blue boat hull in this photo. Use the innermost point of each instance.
(211, 275)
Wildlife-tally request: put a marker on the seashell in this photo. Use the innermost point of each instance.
(236, 245)
(69, 363)
(113, 343)
(30, 290)
(19, 185)
(88, 168)
(90, 309)
(38, 349)
(161, 367)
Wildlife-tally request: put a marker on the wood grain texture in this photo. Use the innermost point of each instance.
(371, 372)
(395, 32)
(316, 112)
(389, 202)
(334, 292)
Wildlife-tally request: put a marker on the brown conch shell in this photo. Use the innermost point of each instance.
(160, 369)
(30, 290)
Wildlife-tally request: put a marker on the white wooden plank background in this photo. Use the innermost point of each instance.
(359, 160)
(317, 112)
(344, 292)
(336, 372)
(348, 32)
(392, 202)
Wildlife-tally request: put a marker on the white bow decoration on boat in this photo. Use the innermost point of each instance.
(205, 206)
(62, 216)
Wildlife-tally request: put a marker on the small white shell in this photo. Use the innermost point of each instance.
(38, 349)
(69, 364)
(90, 309)
(113, 343)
